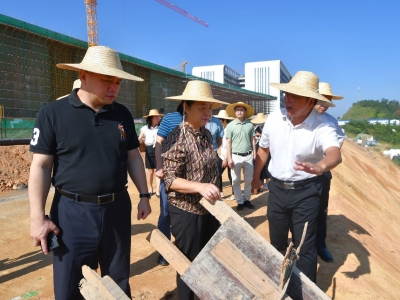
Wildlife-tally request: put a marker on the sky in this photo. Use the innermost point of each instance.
(352, 44)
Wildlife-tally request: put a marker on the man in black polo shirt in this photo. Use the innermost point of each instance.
(84, 144)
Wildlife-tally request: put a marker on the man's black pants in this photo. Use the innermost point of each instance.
(323, 210)
(91, 235)
(287, 207)
(191, 232)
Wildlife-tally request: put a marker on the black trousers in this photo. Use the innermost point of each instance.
(323, 210)
(294, 208)
(191, 232)
(92, 235)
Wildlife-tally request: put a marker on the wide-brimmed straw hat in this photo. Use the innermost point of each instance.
(152, 113)
(230, 109)
(326, 90)
(304, 84)
(76, 85)
(222, 114)
(197, 90)
(260, 118)
(101, 60)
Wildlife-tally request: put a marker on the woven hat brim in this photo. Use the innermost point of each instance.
(99, 69)
(156, 115)
(216, 103)
(258, 120)
(230, 109)
(294, 89)
(334, 97)
(226, 118)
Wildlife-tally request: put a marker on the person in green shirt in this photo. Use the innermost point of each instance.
(240, 151)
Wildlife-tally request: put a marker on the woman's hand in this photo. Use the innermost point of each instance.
(224, 163)
(209, 191)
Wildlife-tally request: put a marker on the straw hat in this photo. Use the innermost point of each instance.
(325, 89)
(230, 109)
(222, 114)
(101, 60)
(197, 90)
(304, 84)
(152, 113)
(76, 85)
(260, 118)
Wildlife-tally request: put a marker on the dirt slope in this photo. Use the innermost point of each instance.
(363, 235)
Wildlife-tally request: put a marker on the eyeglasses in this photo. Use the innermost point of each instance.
(291, 97)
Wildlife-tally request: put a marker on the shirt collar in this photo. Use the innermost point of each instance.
(309, 121)
(76, 102)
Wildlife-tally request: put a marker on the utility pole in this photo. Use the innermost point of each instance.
(358, 94)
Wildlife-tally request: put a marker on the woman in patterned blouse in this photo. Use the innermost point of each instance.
(191, 173)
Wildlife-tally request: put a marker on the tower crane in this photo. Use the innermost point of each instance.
(91, 17)
(182, 12)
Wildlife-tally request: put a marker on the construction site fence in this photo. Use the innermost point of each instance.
(29, 77)
(16, 129)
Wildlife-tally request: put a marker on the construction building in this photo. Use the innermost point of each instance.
(259, 75)
(29, 77)
(257, 78)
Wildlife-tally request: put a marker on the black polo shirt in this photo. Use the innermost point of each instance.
(89, 148)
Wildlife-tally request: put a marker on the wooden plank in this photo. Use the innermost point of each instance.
(209, 279)
(168, 250)
(93, 287)
(255, 280)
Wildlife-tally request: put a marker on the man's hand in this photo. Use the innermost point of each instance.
(144, 209)
(160, 173)
(230, 163)
(39, 230)
(256, 184)
(210, 192)
(224, 163)
(309, 167)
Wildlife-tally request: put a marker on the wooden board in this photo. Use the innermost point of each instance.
(237, 263)
(94, 287)
(260, 252)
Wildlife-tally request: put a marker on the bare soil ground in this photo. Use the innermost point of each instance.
(363, 233)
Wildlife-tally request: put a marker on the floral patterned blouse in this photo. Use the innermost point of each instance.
(189, 154)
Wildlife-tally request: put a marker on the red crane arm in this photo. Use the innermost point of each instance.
(182, 12)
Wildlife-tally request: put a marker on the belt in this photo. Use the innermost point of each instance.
(101, 199)
(242, 154)
(291, 185)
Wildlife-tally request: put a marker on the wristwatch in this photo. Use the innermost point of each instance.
(145, 195)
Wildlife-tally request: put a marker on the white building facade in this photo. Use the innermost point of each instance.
(259, 75)
(218, 73)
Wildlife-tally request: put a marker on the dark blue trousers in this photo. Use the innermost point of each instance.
(323, 210)
(294, 208)
(93, 235)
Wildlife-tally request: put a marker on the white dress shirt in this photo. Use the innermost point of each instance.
(339, 131)
(306, 142)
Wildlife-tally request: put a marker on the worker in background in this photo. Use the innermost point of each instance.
(303, 145)
(148, 134)
(321, 107)
(240, 151)
(85, 145)
(259, 121)
(225, 119)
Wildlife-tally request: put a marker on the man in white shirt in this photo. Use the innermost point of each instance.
(322, 250)
(303, 145)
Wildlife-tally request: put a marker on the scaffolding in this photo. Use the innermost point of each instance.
(29, 77)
